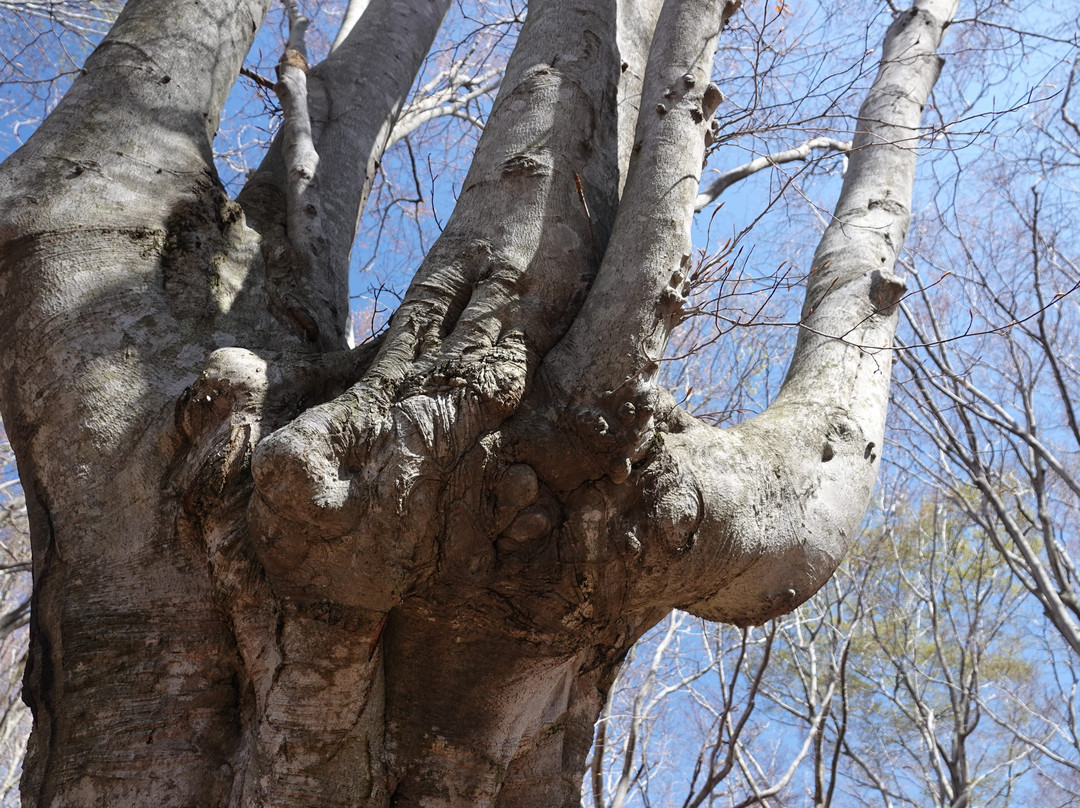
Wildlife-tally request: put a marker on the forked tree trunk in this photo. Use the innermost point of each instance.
(271, 571)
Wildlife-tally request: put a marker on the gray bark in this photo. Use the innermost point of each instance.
(354, 98)
(272, 572)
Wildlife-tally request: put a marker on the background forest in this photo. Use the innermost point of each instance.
(939, 667)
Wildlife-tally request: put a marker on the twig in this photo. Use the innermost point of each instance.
(261, 80)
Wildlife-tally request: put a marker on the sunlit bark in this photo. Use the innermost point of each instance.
(274, 572)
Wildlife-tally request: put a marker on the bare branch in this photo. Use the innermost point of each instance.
(801, 153)
(435, 102)
(353, 12)
(352, 102)
(301, 159)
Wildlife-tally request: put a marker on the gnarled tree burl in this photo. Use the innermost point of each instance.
(273, 571)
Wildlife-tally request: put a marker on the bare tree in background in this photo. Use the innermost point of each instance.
(937, 647)
(683, 727)
(900, 683)
(14, 615)
(999, 405)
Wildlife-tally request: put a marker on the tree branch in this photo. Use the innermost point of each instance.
(813, 454)
(801, 152)
(637, 297)
(353, 12)
(301, 159)
(363, 83)
(438, 102)
(150, 95)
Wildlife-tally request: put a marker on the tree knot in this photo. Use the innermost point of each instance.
(886, 290)
(711, 101)
(293, 58)
(619, 428)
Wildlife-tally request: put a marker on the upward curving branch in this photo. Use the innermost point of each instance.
(754, 518)
(812, 456)
(726, 179)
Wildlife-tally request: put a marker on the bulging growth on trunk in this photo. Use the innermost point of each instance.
(271, 570)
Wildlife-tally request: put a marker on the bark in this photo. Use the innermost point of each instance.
(353, 100)
(273, 572)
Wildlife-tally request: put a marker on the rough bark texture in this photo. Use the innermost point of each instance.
(273, 572)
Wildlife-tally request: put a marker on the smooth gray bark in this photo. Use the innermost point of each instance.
(271, 572)
(353, 98)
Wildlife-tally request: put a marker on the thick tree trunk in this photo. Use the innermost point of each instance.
(270, 571)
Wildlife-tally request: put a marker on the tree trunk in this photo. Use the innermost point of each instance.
(273, 571)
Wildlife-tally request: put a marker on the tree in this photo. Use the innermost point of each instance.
(937, 650)
(907, 681)
(271, 570)
(999, 410)
(15, 603)
(687, 729)
(43, 43)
